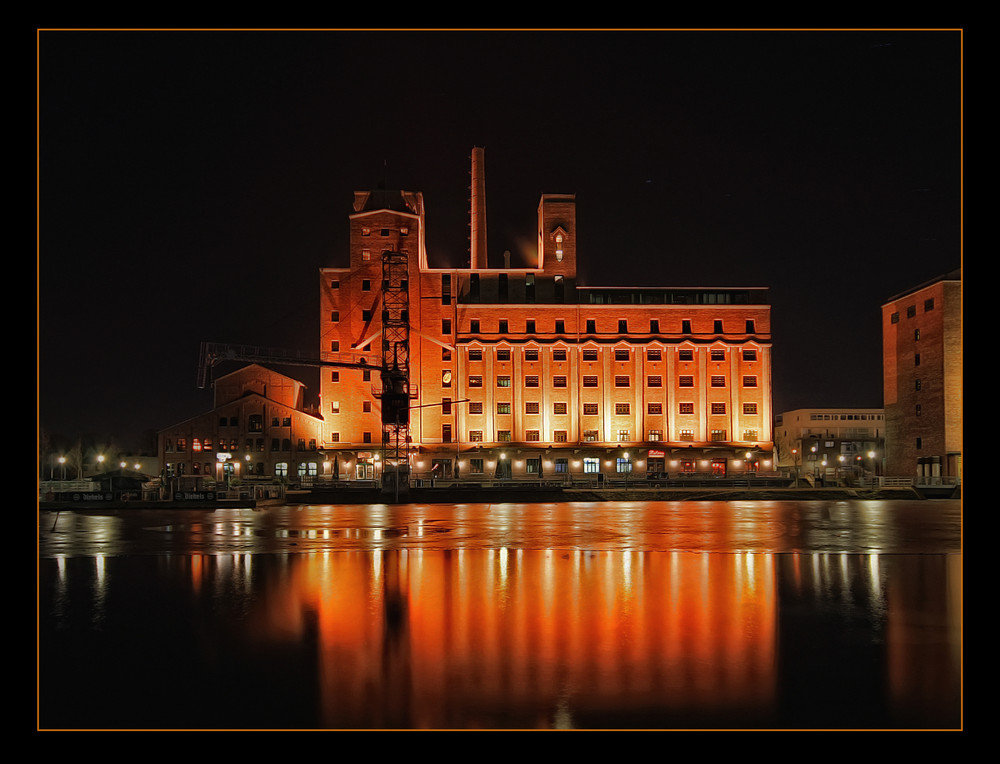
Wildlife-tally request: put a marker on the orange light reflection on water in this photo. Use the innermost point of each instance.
(430, 638)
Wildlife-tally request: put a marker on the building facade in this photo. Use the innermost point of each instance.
(830, 445)
(257, 430)
(922, 374)
(524, 374)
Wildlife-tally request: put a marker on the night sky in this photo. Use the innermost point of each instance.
(191, 184)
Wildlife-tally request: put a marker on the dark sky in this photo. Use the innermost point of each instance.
(191, 184)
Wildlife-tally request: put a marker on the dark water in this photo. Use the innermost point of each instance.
(709, 615)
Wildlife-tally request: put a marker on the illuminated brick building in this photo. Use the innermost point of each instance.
(523, 373)
(258, 428)
(922, 372)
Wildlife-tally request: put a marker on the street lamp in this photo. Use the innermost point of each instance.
(62, 463)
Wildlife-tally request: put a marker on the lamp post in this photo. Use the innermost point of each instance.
(795, 465)
(62, 463)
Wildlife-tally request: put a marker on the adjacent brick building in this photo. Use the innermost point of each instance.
(258, 429)
(522, 373)
(922, 369)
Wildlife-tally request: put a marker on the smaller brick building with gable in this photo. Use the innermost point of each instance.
(258, 429)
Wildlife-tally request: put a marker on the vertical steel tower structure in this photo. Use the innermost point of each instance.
(395, 393)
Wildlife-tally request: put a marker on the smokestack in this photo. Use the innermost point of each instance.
(478, 247)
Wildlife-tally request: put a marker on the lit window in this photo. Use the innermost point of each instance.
(503, 436)
(475, 381)
(476, 436)
(655, 435)
(590, 436)
(503, 381)
(624, 465)
(624, 436)
(687, 435)
(591, 464)
(503, 408)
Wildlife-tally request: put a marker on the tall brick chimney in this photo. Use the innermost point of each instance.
(478, 234)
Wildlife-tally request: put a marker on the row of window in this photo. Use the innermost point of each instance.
(558, 325)
(231, 445)
(621, 354)
(911, 310)
(591, 409)
(255, 422)
(176, 469)
(592, 436)
(593, 380)
(590, 326)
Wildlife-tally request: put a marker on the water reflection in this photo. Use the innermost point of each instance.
(466, 638)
